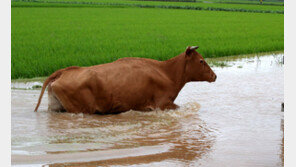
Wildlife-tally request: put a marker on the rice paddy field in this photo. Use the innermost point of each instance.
(205, 5)
(49, 35)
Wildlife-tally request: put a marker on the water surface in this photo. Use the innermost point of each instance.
(236, 121)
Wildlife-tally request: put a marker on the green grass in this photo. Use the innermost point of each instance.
(265, 2)
(47, 39)
(26, 80)
(154, 4)
(251, 2)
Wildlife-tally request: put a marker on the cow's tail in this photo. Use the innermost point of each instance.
(52, 77)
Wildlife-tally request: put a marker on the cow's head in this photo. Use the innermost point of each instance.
(197, 68)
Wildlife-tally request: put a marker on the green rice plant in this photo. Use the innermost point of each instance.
(150, 4)
(251, 2)
(46, 39)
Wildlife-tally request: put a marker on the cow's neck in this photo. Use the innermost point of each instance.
(175, 70)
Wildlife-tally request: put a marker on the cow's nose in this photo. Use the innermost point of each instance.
(215, 77)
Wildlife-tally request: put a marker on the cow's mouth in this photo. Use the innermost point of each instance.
(214, 77)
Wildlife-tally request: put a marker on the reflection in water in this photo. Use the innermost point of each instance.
(237, 125)
(187, 136)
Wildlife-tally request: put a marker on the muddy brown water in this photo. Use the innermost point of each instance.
(236, 121)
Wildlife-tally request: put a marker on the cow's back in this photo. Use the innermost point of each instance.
(130, 72)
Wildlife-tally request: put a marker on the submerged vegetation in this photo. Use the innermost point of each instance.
(46, 37)
(219, 64)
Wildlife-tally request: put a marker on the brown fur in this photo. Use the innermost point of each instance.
(128, 83)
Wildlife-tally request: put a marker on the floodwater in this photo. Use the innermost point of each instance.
(236, 121)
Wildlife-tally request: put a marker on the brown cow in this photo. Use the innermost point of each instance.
(126, 84)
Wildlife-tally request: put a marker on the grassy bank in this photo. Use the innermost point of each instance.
(47, 39)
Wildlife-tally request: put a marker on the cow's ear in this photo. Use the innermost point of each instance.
(190, 49)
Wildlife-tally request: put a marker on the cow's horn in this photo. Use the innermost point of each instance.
(194, 47)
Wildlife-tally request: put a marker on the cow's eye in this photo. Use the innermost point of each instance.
(201, 61)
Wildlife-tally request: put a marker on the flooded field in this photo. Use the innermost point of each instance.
(236, 121)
